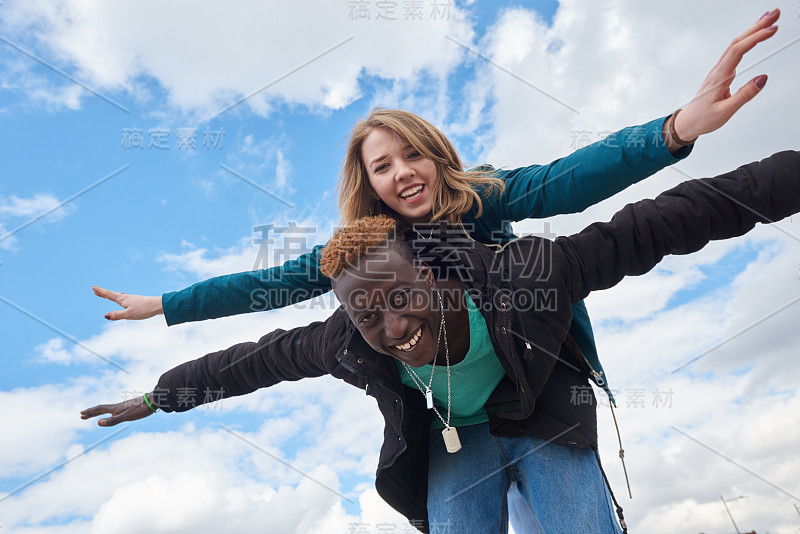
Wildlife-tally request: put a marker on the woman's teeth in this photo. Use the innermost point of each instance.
(412, 193)
(405, 347)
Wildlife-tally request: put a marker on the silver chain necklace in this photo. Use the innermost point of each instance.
(450, 435)
(430, 234)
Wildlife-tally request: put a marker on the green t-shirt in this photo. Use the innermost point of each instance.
(471, 381)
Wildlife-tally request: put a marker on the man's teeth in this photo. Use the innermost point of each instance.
(411, 342)
(411, 192)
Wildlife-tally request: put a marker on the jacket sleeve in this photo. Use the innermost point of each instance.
(266, 289)
(680, 221)
(243, 368)
(585, 177)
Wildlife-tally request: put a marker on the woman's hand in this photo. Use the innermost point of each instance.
(136, 306)
(129, 410)
(713, 104)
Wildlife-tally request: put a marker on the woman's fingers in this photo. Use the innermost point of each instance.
(736, 51)
(135, 306)
(113, 296)
(744, 95)
(762, 30)
(714, 104)
(767, 19)
(117, 315)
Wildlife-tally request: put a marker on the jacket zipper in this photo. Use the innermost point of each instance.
(402, 415)
(598, 377)
(513, 362)
(396, 399)
(490, 293)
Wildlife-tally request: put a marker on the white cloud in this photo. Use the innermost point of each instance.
(283, 171)
(285, 239)
(40, 424)
(16, 211)
(198, 262)
(15, 206)
(9, 242)
(180, 481)
(212, 57)
(264, 163)
(53, 351)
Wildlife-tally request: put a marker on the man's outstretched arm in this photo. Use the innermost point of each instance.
(680, 221)
(238, 370)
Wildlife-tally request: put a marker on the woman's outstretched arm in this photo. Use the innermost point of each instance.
(606, 167)
(232, 294)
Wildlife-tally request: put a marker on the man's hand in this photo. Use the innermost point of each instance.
(129, 410)
(136, 306)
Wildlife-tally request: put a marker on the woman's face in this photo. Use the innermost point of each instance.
(400, 175)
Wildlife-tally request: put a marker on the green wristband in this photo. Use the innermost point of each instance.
(148, 403)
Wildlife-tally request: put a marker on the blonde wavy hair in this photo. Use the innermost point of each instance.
(455, 192)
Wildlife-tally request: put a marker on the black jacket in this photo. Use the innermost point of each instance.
(524, 293)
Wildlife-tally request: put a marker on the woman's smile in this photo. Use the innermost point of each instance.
(413, 194)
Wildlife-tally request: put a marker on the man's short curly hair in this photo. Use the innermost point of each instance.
(357, 239)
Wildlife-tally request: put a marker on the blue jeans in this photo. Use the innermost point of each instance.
(540, 487)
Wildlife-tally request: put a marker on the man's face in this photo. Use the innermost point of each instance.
(391, 303)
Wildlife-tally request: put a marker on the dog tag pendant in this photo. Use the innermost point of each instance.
(451, 441)
(429, 398)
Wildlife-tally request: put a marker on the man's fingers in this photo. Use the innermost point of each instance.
(129, 410)
(110, 421)
(94, 411)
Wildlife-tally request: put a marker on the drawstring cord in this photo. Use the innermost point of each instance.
(610, 491)
(573, 347)
(621, 450)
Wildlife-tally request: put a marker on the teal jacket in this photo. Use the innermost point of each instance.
(567, 185)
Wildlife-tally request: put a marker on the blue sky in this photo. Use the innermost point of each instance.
(172, 216)
(164, 196)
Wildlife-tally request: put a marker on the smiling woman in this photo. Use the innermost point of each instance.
(400, 164)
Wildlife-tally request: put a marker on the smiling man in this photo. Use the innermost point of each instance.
(468, 367)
